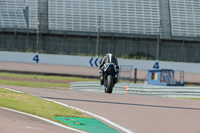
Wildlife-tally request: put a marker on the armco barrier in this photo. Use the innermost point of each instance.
(140, 89)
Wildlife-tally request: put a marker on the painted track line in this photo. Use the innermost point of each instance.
(84, 111)
(94, 115)
(46, 120)
(12, 89)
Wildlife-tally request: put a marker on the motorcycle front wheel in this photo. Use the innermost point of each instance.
(109, 84)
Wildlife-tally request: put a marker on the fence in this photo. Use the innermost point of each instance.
(125, 72)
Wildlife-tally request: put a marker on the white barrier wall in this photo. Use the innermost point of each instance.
(90, 61)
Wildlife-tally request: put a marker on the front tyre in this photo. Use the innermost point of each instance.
(110, 84)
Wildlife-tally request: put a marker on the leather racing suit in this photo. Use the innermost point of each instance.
(109, 58)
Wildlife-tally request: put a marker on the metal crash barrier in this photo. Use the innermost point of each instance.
(140, 89)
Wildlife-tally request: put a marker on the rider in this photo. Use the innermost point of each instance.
(108, 58)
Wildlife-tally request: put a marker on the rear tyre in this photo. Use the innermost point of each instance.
(109, 85)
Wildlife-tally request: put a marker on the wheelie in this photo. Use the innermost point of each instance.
(109, 71)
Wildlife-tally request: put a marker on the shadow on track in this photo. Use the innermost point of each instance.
(131, 104)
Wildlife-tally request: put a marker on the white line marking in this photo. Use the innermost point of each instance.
(35, 128)
(44, 119)
(94, 115)
(12, 90)
(87, 112)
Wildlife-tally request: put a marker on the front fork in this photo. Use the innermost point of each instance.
(115, 77)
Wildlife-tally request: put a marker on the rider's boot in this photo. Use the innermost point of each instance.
(102, 80)
(116, 78)
(101, 76)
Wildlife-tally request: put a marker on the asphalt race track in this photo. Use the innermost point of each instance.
(11, 122)
(80, 71)
(138, 114)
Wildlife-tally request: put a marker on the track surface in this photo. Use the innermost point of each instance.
(74, 70)
(137, 113)
(11, 122)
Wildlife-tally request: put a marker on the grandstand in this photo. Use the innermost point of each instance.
(117, 16)
(140, 17)
(139, 20)
(11, 14)
(185, 17)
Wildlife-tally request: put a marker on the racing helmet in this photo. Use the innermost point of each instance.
(110, 58)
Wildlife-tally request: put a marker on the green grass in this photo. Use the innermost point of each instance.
(35, 84)
(62, 82)
(34, 105)
(192, 85)
(194, 98)
(45, 77)
(191, 98)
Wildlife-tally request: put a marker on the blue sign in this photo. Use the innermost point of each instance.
(94, 61)
(91, 62)
(36, 58)
(100, 60)
(156, 65)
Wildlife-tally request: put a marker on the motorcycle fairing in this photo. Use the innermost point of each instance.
(110, 65)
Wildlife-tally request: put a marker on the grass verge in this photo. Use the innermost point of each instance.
(35, 84)
(39, 81)
(59, 78)
(34, 105)
(192, 98)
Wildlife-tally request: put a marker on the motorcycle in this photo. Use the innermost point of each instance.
(109, 77)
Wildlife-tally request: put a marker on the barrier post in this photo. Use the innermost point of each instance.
(127, 87)
(135, 75)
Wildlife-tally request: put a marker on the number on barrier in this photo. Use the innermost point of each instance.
(156, 65)
(36, 58)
